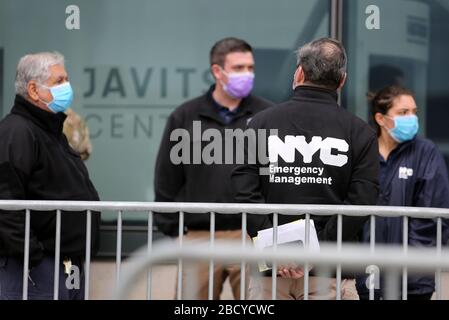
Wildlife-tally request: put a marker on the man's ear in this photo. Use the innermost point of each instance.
(216, 71)
(32, 91)
(299, 76)
(342, 82)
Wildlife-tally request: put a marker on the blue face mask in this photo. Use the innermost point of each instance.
(62, 97)
(405, 128)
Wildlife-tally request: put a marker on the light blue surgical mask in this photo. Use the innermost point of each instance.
(405, 128)
(62, 97)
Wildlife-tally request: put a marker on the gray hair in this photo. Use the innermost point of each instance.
(323, 62)
(36, 67)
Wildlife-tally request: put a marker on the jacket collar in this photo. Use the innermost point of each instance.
(52, 122)
(311, 92)
(208, 109)
(400, 148)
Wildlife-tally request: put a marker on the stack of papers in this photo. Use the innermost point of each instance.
(291, 234)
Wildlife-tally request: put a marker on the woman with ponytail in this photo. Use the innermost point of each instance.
(412, 173)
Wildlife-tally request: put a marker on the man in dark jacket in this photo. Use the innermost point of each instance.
(201, 176)
(37, 163)
(322, 154)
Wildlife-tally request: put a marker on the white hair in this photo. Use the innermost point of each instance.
(36, 67)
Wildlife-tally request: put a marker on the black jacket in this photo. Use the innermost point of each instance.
(37, 163)
(344, 148)
(198, 182)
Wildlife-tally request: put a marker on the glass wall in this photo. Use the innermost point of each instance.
(131, 63)
(410, 48)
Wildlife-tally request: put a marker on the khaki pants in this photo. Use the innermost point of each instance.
(195, 276)
(293, 289)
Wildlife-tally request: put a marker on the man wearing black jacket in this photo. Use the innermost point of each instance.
(201, 176)
(37, 163)
(322, 154)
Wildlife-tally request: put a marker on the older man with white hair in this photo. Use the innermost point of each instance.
(37, 163)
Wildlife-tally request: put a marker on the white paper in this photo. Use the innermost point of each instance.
(287, 233)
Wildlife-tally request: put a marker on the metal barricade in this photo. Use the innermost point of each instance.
(351, 257)
(122, 208)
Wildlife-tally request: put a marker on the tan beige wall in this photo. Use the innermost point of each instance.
(164, 282)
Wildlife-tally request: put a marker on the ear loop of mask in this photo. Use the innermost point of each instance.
(392, 119)
(394, 126)
(226, 74)
(43, 101)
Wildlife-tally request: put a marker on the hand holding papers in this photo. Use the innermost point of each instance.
(291, 234)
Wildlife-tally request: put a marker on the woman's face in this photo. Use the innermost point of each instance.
(403, 105)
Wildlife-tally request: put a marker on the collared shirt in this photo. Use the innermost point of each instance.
(225, 114)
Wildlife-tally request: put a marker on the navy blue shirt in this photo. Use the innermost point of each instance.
(225, 114)
(382, 169)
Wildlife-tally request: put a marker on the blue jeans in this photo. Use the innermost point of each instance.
(40, 280)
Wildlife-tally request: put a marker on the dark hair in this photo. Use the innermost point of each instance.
(225, 46)
(382, 101)
(323, 62)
